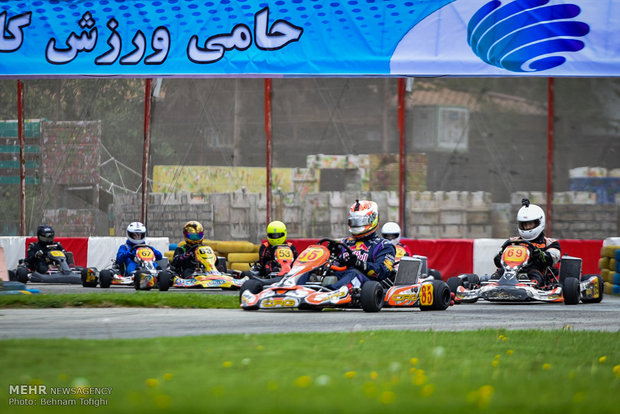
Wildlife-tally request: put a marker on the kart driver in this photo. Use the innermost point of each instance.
(184, 258)
(136, 237)
(276, 236)
(373, 256)
(531, 226)
(391, 232)
(37, 251)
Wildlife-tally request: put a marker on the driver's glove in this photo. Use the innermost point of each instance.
(352, 261)
(542, 257)
(39, 253)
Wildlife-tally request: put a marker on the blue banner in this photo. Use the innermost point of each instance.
(244, 38)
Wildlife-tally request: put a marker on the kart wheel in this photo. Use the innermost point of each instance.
(435, 273)
(471, 281)
(84, 277)
(105, 278)
(570, 291)
(372, 296)
(136, 280)
(253, 285)
(441, 297)
(454, 282)
(600, 289)
(164, 280)
(21, 274)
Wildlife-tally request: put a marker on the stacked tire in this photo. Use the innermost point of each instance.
(240, 255)
(609, 264)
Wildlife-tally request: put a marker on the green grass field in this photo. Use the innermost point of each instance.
(152, 299)
(357, 372)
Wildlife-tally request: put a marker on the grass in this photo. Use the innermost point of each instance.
(357, 372)
(132, 299)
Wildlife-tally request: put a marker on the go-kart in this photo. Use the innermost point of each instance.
(514, 285)
(282, 261)
(206, 274)
(413, 286)
(145, 277)
(59, 269)
(316, 264)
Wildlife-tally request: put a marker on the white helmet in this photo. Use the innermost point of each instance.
(391, 232)
(136, 233)
(531, 220)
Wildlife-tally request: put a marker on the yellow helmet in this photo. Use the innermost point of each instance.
(193, 232)
(276, 233)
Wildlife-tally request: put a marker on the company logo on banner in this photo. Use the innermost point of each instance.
(191, 38)
(522, 36)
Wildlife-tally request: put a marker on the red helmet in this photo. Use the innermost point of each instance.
(363, 218)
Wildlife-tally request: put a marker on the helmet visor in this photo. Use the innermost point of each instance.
(136, 235)
(390, 236)
(359, 221)
(275, 235)
(529, 225)
(194, 236)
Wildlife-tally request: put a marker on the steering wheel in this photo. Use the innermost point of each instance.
(335, 247)
(517, 242)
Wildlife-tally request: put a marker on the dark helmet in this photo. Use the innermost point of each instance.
(45, 234)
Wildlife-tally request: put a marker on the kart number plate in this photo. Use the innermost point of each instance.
(515, 255)
(57, 253)
(146, 254)
(426, 294)
(284, 253)
(312, 254)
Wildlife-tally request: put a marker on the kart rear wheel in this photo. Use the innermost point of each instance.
(21, 274)
(441, 297)
(471, 281)
(105, 278)
(454, 282)
(164, 280)
(600, 288)
(372, 296)
(570, 291)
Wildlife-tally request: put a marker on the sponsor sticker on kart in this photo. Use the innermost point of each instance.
(145, 254)
(271, 303)
(515, 255)
(57, 253)
(284, 253)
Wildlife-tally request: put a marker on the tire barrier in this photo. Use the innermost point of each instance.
(609, 265)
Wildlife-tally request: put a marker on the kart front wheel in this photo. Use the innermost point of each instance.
(105, 278)
(21, 274)
(599, 286)
(454, 282)
(372, 296)
(441, 297)
(570, 291)
(164, 280)
(252, 285)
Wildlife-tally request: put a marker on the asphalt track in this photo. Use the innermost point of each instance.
(99, 323)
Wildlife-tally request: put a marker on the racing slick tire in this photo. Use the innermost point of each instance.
(570, 291)
(471, 281)
(84, 276)
(164, 280)
(600, 289)
(454, 282)
(435, 273)
(441, 297)
(253, 285)
(371, 297)
(105, 278)
(21, 274)
(136, 280)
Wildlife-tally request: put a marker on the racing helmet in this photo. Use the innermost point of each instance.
(136, 233)
(45, 234)
(531, 220)
(391, 232)
(363, 218)
(276, 233)
(193, 232)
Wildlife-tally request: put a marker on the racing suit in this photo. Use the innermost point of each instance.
(184, 258)
(267, 260)
(547, 254)
(126, 254)
(375, 261)
(36, 254)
